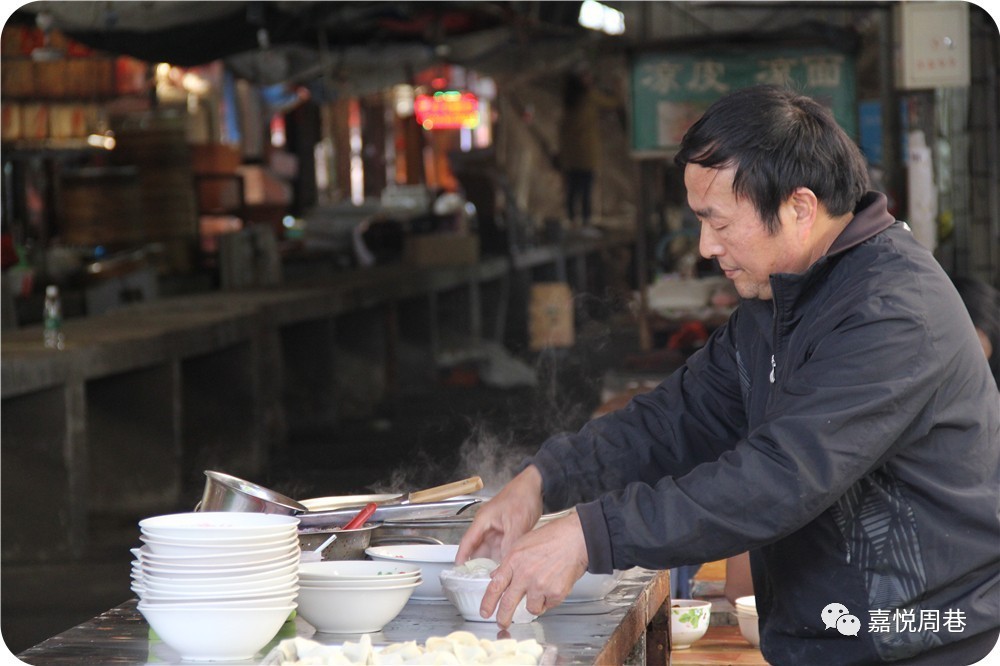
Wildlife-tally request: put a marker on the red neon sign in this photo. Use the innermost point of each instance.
(447, 110)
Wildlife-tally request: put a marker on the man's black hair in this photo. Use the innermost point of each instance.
(778, 140)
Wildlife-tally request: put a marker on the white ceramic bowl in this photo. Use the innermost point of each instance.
(466, 594)
(432, 560)
(330, 585)
(593, 587)
(746, 615)
(215, 524)
(357, 570)
(360, 610)
(689, 620)
(215, 634)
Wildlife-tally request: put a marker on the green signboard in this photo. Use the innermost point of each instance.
(670, 91)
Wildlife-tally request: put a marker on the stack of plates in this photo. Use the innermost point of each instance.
(217, 585)
(354, 596)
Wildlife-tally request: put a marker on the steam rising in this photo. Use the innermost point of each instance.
(564, 397)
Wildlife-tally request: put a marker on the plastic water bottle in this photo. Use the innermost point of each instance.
(53, 333)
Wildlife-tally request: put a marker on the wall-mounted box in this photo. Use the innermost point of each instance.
(932, 44)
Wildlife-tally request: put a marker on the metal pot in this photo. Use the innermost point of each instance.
(447, 530)
(349, 545)
(228, 493)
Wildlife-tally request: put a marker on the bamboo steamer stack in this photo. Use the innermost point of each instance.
(101, 206)
(155, 144)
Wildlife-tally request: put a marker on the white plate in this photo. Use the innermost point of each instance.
(227, 575)
(243, 557)
(209, 524)
(221, 568)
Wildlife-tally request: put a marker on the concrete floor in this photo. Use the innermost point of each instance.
(423, 436)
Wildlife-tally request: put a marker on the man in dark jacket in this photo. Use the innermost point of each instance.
(842, 426)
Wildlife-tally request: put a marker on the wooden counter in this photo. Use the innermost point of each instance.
(612, 631)
(720, 646)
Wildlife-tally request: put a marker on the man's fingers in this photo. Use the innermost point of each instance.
(536, 604)
(508, 604)
(496, 588)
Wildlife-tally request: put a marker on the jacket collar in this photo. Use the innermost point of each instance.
(871, 217)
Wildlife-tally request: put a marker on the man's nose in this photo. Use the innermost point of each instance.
(708, 243)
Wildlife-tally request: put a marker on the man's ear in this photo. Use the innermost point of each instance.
(804, 207)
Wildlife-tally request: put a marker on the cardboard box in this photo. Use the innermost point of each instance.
(441, 249)
(550, 316)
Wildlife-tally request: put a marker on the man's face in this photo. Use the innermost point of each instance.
(733, 233)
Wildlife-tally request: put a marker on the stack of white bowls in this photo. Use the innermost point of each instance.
(217, 585)
(746, 615)
(354, 596)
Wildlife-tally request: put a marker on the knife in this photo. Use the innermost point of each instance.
(437, 493)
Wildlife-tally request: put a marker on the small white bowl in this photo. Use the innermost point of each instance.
(466, 594)
(746, 615)
(689, 620)
(361, 610)
(431, 558)
(213, 524)
(215, 634)
(593, 587)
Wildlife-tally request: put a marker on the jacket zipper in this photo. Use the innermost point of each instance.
(772, 368)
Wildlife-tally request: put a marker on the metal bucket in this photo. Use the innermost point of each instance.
(228, 493)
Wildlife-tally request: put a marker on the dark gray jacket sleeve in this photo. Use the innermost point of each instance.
(691, 418)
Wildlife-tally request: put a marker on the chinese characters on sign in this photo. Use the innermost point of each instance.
(671, 91)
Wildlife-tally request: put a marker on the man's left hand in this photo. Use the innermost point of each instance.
(542, 565)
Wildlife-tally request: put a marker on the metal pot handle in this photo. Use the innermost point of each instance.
(391, 540)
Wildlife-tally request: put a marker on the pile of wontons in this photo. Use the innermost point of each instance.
(458, 648)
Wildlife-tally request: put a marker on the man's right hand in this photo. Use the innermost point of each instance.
(499, 522)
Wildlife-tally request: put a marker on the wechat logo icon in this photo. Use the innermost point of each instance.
(836, 616)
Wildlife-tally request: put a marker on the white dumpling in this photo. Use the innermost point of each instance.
(408, 649)
(440, 658)
(463, 638)
(532, 647)
(470, 654)
(327, 658)
(499, 646)
(287, 651)
(439, 644)
(388, 659)
(360, 652)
